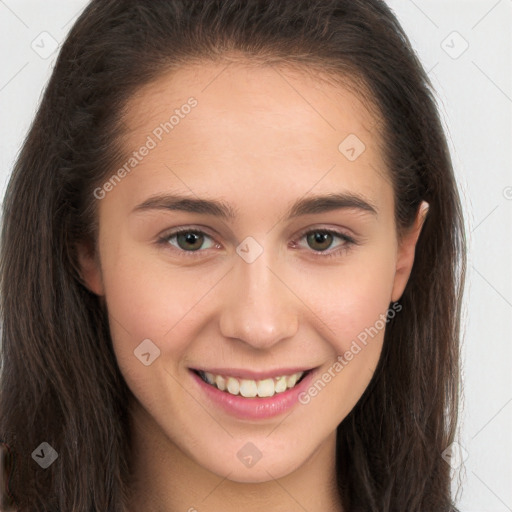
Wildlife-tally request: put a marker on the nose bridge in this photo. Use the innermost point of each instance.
(260, 310)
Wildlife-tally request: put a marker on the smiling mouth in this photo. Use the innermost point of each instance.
(249, 388)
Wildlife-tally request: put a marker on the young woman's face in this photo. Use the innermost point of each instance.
(254, 288)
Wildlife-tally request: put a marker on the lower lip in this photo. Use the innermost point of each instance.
(254, 408)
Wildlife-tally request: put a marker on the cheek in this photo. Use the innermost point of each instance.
(148, 300)
(353, 307)
(352, 298)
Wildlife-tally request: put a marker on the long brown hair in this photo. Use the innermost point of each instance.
(60, 382)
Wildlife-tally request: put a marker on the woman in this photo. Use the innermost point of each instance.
(173, 336)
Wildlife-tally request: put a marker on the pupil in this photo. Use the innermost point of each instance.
(321, 238)
(188, 239)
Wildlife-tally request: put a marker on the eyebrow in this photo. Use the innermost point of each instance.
(305, 206)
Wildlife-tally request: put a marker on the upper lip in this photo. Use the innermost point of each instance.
(242, 373)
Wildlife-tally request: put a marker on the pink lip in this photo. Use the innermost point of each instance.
(252, 375)
(253, 408)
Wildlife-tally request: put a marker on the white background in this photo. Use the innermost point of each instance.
(475, 95)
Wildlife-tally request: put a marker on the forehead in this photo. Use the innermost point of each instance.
(250, 126)
(251, 92)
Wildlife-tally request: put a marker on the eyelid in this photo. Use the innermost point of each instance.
(348, 239)
(335, 231)
(166, 236)
(348, 242)
(185, 229)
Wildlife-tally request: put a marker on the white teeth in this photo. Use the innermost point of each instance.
(220, 382)
(249, 388)
(291, 380)
(233, 385)
(266, 387)
(280, 384)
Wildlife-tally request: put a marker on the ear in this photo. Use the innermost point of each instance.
(405, 255)
(90, 269)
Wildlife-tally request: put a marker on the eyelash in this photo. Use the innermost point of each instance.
(347, 246)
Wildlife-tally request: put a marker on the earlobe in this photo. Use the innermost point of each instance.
(89, 268)
(406, 250)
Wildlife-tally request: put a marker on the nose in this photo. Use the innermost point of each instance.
(260, 308)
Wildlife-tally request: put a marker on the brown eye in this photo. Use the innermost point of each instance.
(320, 240)
(323, 242)
(190, 240)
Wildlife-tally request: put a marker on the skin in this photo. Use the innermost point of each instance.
(259, 139)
